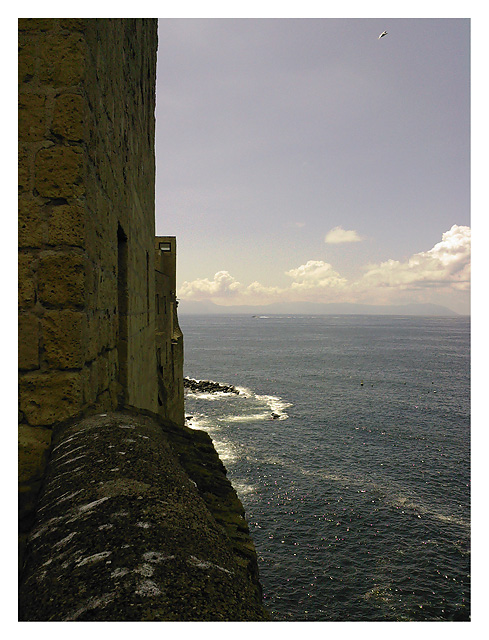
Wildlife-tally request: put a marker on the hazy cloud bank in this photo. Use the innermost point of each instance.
(443, 269)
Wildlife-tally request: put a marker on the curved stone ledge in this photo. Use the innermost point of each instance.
(137, 521)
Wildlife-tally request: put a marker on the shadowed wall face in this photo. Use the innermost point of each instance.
(169, 338)
(86, 224)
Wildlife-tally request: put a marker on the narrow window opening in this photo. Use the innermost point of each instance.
(122, 299)
(147, 287)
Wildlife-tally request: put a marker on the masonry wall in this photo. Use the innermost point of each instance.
(169, 338)
(86, 226)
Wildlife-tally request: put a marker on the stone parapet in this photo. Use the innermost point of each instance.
(127, 529)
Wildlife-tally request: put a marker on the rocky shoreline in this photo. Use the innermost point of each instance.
(208, 386)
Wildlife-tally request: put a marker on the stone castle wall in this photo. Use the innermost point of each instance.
(169, 338)
(86, 225)
(125, 513)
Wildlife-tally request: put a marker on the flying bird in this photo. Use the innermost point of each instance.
(384, 33)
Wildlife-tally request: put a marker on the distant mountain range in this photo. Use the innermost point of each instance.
(314, 308)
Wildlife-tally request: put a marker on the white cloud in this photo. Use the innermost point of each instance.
(315, 274)
(337, 235)
(447, 264)
(225, 288)
(441, 271)
(223, 285)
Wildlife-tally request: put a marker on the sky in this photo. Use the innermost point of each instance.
(307, 159)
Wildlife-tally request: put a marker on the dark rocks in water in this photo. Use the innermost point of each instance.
(275, 416)
(208, 386)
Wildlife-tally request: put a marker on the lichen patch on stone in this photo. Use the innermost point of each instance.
(120, 572)
(91, 505)
(145, 570)
(69, 496)
(92, 603)
(66, 539)
(69, 452)
(204, 564)
(96, 557)
(148, 588)
(63, 443)
(156, 556)
(72, 460)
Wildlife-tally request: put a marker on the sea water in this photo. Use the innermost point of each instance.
(349, 446)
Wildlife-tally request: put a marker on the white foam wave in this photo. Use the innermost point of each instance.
(276, 405)
(324, 475)
(227, 452)
(200, 422)
(243, 489)
(405, 502)
(253, 417)
(244, 407)
(207, 395)
(244, 391)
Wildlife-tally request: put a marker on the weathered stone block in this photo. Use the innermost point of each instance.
(59, 172)
(36, 24)
(26, 61)
(69, 116)
(62, 279)
(112, 358)
(90, 384)
(31, 226)
(26, 282)
(64, 339)
(34, 444)
(114, 391)
(28, 350)
(103, 402)
(73, 24)
(24, 172)
(66, 225)
(62, 59)
(32, 124)
(89, 276)
(104, 332)
(103, 374)
(47, 398)
(93, 335)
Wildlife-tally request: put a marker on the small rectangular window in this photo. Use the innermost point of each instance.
(165, 246)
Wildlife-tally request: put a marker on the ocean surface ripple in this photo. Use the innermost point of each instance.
(349, 445)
